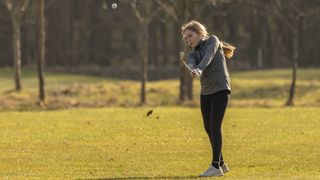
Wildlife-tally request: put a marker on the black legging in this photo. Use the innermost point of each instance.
(213, 107)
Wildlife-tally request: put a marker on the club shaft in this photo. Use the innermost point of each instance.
(187, 66)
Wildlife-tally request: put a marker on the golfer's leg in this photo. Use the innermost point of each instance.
(205, 103)
(218, 106)
(221, 159)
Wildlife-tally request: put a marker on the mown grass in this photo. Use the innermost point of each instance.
(265, 88)
(123, 143)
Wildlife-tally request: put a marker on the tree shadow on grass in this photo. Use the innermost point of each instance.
(158, 177)
(273, 91)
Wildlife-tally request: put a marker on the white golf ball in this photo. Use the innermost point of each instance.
(114, 5)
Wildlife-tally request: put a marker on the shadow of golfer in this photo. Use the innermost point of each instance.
(159, 177)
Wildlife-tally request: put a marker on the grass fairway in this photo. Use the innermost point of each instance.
(122, 143)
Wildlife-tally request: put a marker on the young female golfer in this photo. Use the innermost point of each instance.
(208, 63)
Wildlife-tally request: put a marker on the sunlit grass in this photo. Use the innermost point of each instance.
(265, 88)
(277, 143)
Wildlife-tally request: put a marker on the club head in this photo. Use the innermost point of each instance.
(182, 56)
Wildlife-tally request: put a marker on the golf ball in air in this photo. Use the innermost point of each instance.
(114, 5)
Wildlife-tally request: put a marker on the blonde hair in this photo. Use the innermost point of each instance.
(196, 27)
(228, 49)
(199, 28)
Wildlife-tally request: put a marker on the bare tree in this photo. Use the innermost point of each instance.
(145, 11)
(180, 12)
(17, 10)
(41, 36)
(291, 14)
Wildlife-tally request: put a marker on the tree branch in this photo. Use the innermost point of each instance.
(24, 6)
(136, 10)
(169, 9)
(8, 4)
(153, 15)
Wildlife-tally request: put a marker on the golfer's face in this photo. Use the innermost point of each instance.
(192, 38)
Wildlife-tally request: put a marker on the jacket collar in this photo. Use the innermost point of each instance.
(200, 44)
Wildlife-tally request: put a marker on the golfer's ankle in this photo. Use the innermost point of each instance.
(216, 164)
(221, 163)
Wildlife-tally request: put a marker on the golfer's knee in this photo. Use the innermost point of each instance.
(216, 133)
(207, 129)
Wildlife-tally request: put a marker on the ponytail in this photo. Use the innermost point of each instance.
(228, 49)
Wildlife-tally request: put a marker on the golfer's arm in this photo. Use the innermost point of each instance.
(210, 50)
(191, 61)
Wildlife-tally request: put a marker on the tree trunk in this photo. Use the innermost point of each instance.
(269, 39)
(182, 92)
(154, 44)
(290, 101)
(41, 47)
(178, 48)
(163, 41)
(59, 33)
(253, 43)
(188, 78)
(17, 53)
(189, 81)
(144, 63)
(79, 34)
(186, 81)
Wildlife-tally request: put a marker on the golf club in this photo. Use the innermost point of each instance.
(182, 56)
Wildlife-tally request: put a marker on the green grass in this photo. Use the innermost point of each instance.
(265, 88)
(122, 143)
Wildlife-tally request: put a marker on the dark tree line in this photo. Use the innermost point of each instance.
(82, 32)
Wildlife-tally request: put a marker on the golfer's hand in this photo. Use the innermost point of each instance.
(193, 74)
(196, 73)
